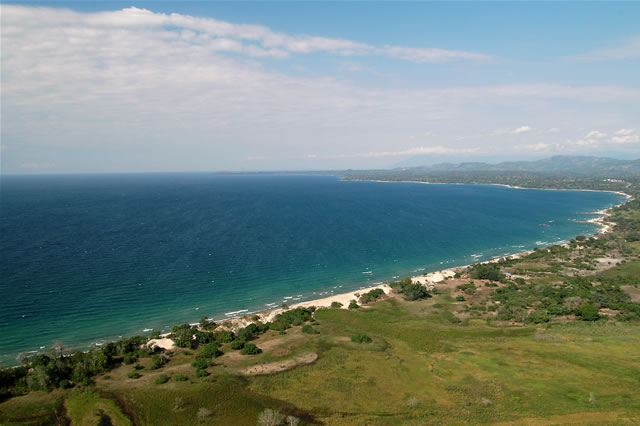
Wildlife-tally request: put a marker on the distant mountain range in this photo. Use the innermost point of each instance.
(560, 164)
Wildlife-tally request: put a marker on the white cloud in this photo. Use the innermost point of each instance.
(211, 34)
(421, 55)
(631, 50)
(625, 132)
(148, 87)
(539, 147)
(522, 129)
(596, 134)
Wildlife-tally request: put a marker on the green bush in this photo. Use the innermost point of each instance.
(353, 305)
(307, 328)
(587, 312)
(237, 344)
(460, 298)
(250, 349)
(201, 373)
(161, 379)
(211, 350)
(336, 305)
(157, 361)
(180, 378)
(410, 290)
(201, 363)
(134, 375)
(361, 338)
(371, 296)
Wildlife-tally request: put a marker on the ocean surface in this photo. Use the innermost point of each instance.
(84, 259)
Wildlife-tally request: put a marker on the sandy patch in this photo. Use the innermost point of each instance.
(276, 367)
(164, 343)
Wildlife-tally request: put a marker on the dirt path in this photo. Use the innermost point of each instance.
(275, 367)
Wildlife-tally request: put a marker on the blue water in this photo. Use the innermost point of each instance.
(87, 258)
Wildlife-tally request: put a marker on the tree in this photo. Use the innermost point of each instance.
(353, 305)
(587, 312)
(211, 350)
(250, 349)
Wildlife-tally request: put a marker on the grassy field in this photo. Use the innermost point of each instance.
(419, 368)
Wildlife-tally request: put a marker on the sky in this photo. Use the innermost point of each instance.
(245, 86)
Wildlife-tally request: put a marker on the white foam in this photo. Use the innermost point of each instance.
(236, 312)
(147, 329)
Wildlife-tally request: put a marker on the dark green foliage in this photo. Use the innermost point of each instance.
(371, 296)
(237, 344)
(555, 309)
(538, 317)
(224, 336)
(161, 379)
(134, 375)
(460, 298)
(353, 305)
(252, 330)
(206, 323)
(469, 288)
(307, 328)
(361, 338)
(250, 349)
(486, 271)
(155, 334)
(410, 290)
(336, 305)
(204, 337)
(183, 336)
(158, 361)
(212, 350)
(201, 363)
(180, 378)
(201, 373)
(286, 319)
(587, 312)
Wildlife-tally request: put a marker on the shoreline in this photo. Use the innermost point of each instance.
(439, 275)
(242, 318)
(627, 196)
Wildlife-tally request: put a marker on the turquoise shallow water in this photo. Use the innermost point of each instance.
(88, 258)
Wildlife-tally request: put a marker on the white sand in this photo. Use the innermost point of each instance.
(164, 343)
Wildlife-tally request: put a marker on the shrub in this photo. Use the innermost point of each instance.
(538, 317)
(353, 305)
(410, 290)
(201, 363)
(371, 296)
(211, 350)
(155, 334)
(129, 359)
(309, 329)
(486, 271)
(469, 288)
(158, 361)
(161, 379)
(587, 312)
(250, 349)
(137, 366)
(134, 375)
(237, 344)
(460, 298)
(180, 378)
(224, 336)
(361, 338)
(201, 373)
(336, 305)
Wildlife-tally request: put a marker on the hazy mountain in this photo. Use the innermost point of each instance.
(558, 164)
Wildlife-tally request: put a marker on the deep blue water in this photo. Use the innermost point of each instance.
(86, 258)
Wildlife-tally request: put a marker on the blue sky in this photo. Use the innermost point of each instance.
(164, 86)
